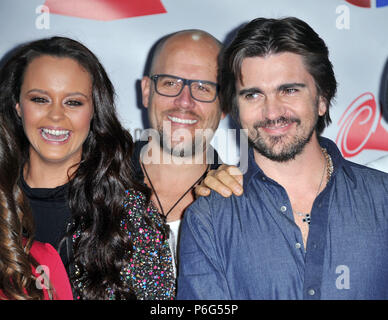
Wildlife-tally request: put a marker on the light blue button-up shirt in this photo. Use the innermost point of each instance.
(249, 247)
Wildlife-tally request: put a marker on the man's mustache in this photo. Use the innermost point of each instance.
(276, 122)
(184, 111)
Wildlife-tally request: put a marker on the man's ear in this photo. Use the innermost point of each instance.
(145, 90)
(322, 106)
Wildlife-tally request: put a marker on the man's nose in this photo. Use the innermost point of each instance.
(273, 107)
(184, 99)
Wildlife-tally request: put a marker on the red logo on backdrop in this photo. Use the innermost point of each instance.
(360, 3)
(105, 9)
(369, 3)
(361, 128)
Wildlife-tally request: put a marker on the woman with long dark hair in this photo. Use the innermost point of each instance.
(59, 103)
(21, 258)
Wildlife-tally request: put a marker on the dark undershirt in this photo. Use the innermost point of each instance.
(51, 214)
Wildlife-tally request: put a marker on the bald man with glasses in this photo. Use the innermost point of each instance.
(181, 96)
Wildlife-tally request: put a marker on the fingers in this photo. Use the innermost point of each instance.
(230, 177)
(236, 174)
(215, 182)
(226, 180)
(201, 191)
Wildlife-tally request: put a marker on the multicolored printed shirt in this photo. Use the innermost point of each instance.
(149, 272)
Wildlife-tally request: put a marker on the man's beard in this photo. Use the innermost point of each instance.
(180, 150)
(187, 147)
(289, 150)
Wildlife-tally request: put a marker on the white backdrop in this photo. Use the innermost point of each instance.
(356, 38)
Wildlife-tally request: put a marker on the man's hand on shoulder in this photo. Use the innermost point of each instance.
(226, 180)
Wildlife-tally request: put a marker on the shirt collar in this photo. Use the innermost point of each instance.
(339, 163)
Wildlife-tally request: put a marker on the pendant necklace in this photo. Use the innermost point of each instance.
(329, 169)
(183, 195)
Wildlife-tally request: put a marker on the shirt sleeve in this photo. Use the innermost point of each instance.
(201, 275)
(58, 276)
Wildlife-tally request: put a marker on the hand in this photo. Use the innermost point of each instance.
(226, 180)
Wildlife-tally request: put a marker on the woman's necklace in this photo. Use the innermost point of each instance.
(183, 195)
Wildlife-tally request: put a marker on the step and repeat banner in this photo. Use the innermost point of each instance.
(122, 32)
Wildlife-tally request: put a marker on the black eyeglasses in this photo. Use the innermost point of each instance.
(172, 86)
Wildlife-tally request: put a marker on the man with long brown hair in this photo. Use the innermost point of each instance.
(310, 225)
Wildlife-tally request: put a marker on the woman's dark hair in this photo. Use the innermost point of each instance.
(262, 37)
(17, 280)
(97, 187)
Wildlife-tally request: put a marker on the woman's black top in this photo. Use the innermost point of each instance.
(51, 214)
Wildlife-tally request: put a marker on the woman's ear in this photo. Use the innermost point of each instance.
(18, 109)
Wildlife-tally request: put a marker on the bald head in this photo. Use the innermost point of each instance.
(185, 41)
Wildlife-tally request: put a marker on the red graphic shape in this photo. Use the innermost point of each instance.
(360, 127)
(360, 3)
(105, 10)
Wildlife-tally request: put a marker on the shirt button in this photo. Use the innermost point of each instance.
(298, 245)
(263, 178)
(283, 208)
(311, 292)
